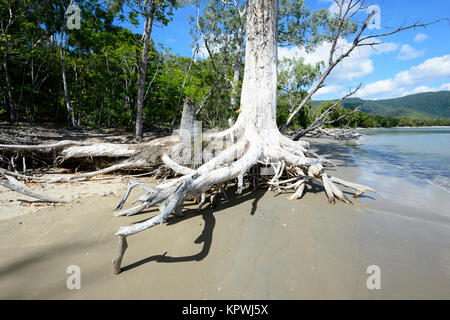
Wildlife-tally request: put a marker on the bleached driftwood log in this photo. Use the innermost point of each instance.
(338, 134)
(39, 147)
(15, 187)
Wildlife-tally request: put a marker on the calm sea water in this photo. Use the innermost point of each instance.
(421, 152)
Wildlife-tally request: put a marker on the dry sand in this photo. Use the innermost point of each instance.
(255, 246)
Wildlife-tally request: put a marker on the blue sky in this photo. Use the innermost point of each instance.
(412, 61)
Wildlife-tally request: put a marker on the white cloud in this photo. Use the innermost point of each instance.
(380, 89)
(434, 69)
(202, 52)
(385, 47)
(327, 90)
(420, 89)
(445, 86)
(420, 37)
(407, 52)
(358, 64)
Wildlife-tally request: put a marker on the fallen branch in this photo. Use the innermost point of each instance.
(18, 175)
(57, 145)
(119, 166)
(29, 193)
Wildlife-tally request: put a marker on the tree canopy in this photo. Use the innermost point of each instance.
(102, 61)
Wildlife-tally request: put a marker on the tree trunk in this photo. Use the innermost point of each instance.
(237, 69)
(184, 84)
(259, 87)
(12, 106)
(62, 55)
(143, 71)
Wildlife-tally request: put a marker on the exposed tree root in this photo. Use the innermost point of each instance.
(123, 245)
(248, 150)
(360, 189)
(292, 170)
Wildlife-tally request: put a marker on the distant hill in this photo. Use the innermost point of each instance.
(420, 105)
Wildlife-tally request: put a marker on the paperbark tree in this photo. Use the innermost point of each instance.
(63, 47)
(222, 28)
(255, 140)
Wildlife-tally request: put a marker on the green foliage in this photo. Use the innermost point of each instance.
(294, 79)
(365, 120)
(102, 59)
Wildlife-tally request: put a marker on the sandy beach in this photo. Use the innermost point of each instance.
(255, 246)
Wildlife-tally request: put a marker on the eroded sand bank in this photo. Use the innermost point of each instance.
(256, 246)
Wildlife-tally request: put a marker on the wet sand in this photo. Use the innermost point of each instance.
(255, 246)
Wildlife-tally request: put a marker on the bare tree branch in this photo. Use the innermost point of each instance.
(320, 120)
(358, 41)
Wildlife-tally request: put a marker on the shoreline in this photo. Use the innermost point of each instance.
(406, 127)
(255, 246)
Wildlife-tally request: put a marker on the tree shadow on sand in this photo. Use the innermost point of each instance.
(210, 221)
(207, 234)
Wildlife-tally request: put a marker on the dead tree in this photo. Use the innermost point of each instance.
(322, 119)
(347, 9)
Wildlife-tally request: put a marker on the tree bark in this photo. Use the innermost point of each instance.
(259, 87)
(143, 70)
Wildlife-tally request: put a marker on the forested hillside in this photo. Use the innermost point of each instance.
(420, 105)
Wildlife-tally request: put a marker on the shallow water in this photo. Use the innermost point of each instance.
(421, 152)
(409, 168)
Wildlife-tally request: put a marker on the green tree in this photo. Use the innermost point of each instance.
(150, 11)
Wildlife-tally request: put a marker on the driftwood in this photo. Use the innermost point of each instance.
(52, 146)
(121, 156)
(338, 134)
(29, 193)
